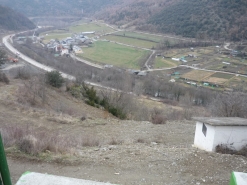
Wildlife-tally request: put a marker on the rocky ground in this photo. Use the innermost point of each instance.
(127, 152)
(148, 154)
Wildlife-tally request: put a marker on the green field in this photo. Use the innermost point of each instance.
(131, 41)
(148, 37)
(98, 28)
(114, 54)
(161, 62)
(222, 75)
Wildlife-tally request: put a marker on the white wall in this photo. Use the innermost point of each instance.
(233, 136)
(202, 142)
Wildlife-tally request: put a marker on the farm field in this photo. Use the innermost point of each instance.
(148, 37)
(215, 80)
(114, 54)
(59, 36)
(98, 28)
(222, 75)
(131, 41)
(197, 75)
(161, 62)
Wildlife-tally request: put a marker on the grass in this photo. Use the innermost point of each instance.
(114, 54)
(98, 28)
(131, 41)
(148, 37)
(160, 62)
(222, 75)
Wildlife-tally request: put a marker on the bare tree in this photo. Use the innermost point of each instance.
(229, 105)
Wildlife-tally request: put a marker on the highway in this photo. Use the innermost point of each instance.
(31, 61)
(47, 68)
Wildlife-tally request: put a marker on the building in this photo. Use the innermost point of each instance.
(227, 131)
(77, 50)
(30, 178)
(238, 178)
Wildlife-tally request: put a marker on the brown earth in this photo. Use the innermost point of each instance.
(128, 152)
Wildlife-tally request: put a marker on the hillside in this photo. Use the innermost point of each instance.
(207, 19)
(202, 19)
(11, 20)
(56, 7)
(190, 18)
(102, 148)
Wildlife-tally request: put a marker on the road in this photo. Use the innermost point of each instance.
(47, 68)
(146, 63)
(31, 61)
(226, 46)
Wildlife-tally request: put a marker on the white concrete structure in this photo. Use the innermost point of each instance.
(230, 132)
(31, 178)
(238, 178)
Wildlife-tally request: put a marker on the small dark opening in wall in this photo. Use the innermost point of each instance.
(204, 130)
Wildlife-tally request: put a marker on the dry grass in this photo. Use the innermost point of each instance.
(34, 142)
(197, 75)
(224, 149)
(216, 80)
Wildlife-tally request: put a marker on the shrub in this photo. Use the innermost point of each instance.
(157, 116)
(27, 144)
(75, 91)
(54, 78)
(23, 74)
(224, 149)
(4, 78)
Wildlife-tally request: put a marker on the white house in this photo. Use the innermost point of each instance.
(229, 131)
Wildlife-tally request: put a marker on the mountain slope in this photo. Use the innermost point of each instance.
(205, 18)
(56, 7)
(11, 20)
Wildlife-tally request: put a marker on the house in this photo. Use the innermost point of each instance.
(64, 52)
(108, 66)
(175, 59)
(176, 73)
(132, 71)
(142, 73)
(227, 131)
(77, 49)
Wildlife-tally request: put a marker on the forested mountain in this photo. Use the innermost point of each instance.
(11, 20)
(204, 18)
(57, 7)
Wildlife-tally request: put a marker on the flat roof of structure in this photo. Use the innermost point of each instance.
(31, 178)
(222, 121)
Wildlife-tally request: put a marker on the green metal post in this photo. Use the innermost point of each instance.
(4, 169)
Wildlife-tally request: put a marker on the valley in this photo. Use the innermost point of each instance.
(108, 91)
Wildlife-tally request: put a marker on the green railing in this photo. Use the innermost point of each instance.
(4, 169)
